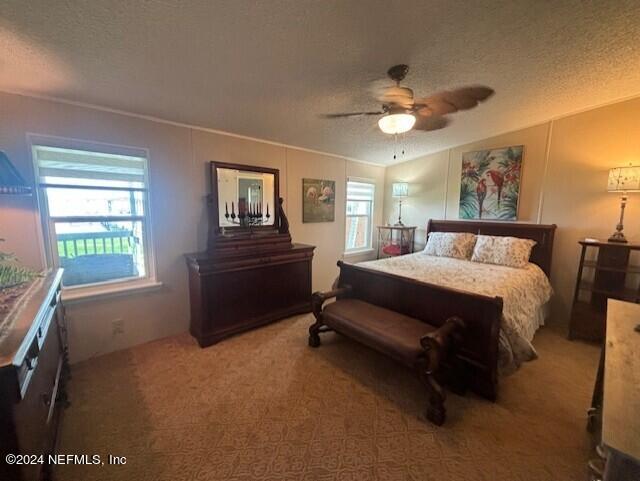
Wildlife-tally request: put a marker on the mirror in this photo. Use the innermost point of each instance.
(246, 196)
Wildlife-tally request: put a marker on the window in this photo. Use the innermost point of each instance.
(359, 215)
(95, 214)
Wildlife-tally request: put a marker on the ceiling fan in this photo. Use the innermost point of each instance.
(401, 111)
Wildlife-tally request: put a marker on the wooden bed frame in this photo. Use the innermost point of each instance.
(435, 304)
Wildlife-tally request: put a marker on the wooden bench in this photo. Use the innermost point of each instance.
(412, 342)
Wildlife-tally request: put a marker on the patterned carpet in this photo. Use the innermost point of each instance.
(265, 406)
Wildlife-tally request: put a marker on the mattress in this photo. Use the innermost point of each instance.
(525, 293)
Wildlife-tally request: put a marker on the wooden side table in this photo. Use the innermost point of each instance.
(611, 270)
(395, 240)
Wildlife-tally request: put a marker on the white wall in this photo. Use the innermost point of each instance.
(564, 181)
(179, 181)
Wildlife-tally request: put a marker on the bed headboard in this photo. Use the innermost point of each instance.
(541, 233)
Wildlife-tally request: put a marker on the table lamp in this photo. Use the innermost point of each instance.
(400, 190)
(624, 180)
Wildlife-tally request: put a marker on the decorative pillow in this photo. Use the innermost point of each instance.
(504, 251)
(450, 244)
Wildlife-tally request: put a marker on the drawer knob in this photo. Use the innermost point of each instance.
(46, 399)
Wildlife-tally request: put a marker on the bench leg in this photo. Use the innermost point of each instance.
(436, 413)
(314, 331)
(317, 299)
(437, 346)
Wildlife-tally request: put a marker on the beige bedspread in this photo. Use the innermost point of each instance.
(525, 293)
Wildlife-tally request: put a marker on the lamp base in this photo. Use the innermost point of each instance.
(618, 237)
(400, 224)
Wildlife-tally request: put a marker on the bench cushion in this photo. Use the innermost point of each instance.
(389, 332)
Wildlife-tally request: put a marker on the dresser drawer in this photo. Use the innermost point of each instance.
(35, 343)
(34, 413)
(241, 297)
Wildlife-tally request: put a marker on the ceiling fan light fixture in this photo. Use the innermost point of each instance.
(396, 123)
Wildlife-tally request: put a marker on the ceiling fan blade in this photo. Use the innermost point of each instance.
(349, 114)
(481, 92)
(434, 106)
(467, 97)
(396, 96)
(377, 88)
(450, 101)
(433, 122)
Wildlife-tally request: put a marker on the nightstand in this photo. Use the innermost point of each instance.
(395, 240)
(608, 276)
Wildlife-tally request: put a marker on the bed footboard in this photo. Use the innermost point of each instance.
(478, 352)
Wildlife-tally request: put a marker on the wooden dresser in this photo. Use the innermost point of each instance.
(234, 293)
(33, 369)
(251, 273)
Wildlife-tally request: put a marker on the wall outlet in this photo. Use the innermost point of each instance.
(117, 326)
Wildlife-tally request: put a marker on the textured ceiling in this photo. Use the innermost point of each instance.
(267, 68)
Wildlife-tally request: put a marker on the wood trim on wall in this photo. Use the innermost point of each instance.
(446, 183)
(547, 153)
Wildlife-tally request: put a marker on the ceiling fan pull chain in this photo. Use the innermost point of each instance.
(395, 146)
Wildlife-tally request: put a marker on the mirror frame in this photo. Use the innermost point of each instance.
(214, 216)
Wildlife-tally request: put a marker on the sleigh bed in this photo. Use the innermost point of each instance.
(398, 285)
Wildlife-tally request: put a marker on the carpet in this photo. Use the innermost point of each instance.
(265, 406)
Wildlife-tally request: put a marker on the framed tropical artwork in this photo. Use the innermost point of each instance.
(490, 183)
(318, 200)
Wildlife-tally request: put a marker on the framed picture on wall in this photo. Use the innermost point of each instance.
(490, 183)
(318, 200)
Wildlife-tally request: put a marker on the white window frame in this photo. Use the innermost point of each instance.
(369, 246)
(113, 286)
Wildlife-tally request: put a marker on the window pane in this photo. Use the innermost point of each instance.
(93, 252)
(92, 182)
(82, 202)
(360, 191)
(359, 211)
(358, 207)
(98, 168)
(357, 233)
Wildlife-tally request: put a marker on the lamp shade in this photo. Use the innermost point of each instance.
(396, 123)
(624, 179)
(11, 182)
(400, 189)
